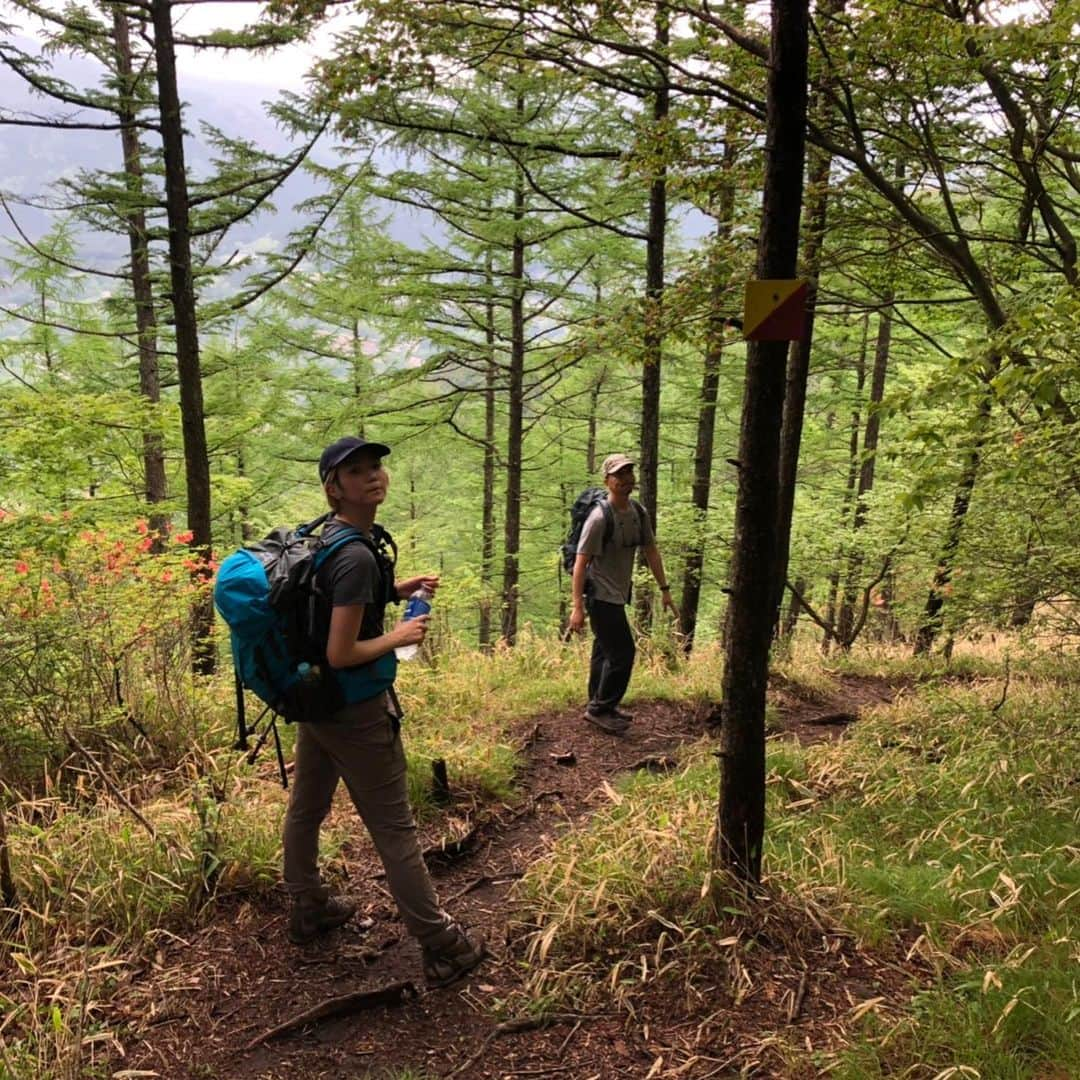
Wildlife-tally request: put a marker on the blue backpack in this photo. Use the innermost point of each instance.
(268, 593)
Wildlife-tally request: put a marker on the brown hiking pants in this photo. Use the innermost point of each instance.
(362, 746)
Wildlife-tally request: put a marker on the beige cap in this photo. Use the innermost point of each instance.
(614, 462)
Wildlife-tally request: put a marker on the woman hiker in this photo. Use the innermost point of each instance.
(361, 742)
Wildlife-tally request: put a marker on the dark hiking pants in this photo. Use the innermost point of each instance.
(362, 746)
(612, 655)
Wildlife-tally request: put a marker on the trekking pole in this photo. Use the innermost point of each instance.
(280, 755)
(253, 753)
(241, 724)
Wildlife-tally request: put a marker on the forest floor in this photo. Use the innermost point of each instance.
(204, 1007)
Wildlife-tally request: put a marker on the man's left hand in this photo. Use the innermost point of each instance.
(407, 586)
(665, 598)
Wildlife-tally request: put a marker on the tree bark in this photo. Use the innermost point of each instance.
(487, 526)
(690, 596)
(741, 809)
(196, 459)
(649, 463)
(940, 587)
(868, 464)
(515, 421)
(834, 633)
(794, 609)
(798, 366)
(154, 480)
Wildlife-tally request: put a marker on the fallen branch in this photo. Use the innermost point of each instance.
(117, 793)
(344, 1005)
(514, 1027)
(480, 882)
(798, 999)
(531, 739)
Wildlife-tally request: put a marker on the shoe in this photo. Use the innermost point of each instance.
(607, 721)
(308, 920)
(625, 717)
(450, 955)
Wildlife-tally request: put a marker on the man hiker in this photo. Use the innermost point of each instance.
(361, 742)
(603, 574)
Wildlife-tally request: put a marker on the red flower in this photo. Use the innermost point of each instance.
(146, 543)
(21, 567)
(184, 537)
(142, 527)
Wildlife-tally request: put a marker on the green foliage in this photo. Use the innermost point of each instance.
(94, 626)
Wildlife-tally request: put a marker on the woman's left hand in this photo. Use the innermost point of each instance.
(407, 586)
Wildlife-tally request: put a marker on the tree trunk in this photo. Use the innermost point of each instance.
(836, 632)
(798, 367)
(690, 596)
(794, 609)
(154, 480)
(941, 585)
(741, 807)
(649, 463)
(866, 469)
(196, 460)
(512, 532)
(487, 527)
(1027, 593)
(591, 461)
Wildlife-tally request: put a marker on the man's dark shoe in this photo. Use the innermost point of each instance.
(450, 955)
(606, 721)
(308, 920)
(625, 717)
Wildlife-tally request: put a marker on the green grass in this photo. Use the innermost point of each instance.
(947, 818)
(950, 817)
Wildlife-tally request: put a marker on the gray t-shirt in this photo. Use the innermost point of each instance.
(612, 568)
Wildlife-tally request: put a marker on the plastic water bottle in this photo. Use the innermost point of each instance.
(419, 603)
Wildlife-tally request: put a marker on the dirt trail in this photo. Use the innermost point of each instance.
(193, 1014)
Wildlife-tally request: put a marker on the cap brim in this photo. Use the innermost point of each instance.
(374, 447)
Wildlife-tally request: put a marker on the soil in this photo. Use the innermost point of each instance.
(200, 1009)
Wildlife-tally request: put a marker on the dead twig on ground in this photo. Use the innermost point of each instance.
(799, 998)
(530, 740)
(484, 879)
(514, 1027)
(117, 793)
(343, 1005)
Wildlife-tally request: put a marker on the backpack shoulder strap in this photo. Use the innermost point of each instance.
(609, 519)
(642, 517)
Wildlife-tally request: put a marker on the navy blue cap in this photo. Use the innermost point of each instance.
(339, 451)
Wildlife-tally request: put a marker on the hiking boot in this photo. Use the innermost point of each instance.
(607, 721)
(308, 920)
(625, 717)
(450, 955)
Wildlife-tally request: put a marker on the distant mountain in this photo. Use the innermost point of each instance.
(34, 159)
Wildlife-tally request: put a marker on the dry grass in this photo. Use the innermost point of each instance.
(948, 821)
